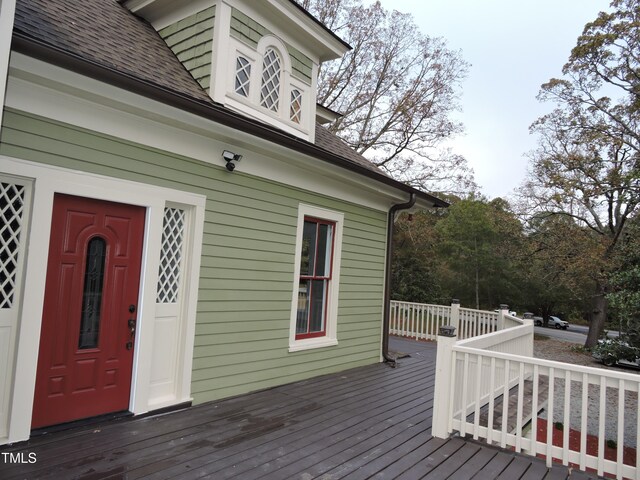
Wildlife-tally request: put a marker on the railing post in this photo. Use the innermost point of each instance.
(442, 390)
(504, 310)
(454, 321)
(528, 320)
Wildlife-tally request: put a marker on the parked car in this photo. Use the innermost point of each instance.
(553, 322)
(557, 323)
(613, 351)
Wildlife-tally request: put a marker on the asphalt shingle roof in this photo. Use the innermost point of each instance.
(104, 32)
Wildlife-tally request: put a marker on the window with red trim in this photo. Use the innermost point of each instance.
(315, 277)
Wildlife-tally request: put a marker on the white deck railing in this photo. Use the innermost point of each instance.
(423, 321)
(491, 388)
(418, 320)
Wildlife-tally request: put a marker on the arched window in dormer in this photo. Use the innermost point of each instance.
(243, 76)
(271, 72)
(295, 111)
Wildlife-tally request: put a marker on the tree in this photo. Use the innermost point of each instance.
(396, 90)
(414, 276)
(625, 285)
(586, 165)
(475, 242)
(554, 266)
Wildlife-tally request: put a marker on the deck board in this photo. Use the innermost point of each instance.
(368, 422)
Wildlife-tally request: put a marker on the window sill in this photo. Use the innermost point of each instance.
(311, 343)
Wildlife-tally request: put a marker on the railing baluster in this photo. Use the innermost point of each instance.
(601, 418)
(534, 412)
(567, 417)
(620, 449)
(520, 409)
(583, 421)
(505, 404)
(476, 413)
(465, 382)
(492, 390)
(454, 379)
(549, 457)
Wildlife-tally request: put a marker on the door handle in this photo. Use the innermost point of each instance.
(132, 326)
(131, 323)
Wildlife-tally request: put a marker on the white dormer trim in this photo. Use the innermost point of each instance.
(251, 105)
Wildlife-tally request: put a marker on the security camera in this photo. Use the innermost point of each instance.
(231, 157)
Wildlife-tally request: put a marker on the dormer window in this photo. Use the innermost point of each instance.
(270, 80)
(243, 76)
(295, 112)
(271, 71)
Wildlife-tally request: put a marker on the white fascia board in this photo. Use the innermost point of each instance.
(293, 27)
(333, 48)
(49, 91)
(7, 14)
(161, 13)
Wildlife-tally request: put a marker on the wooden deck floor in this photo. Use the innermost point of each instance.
(370, 422)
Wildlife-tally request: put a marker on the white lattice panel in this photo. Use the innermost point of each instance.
(12, 207)
(171, 256)
(270, 92)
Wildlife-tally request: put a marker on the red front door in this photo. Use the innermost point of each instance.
(90, 310)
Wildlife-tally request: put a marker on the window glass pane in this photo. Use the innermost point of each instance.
(323, 269)
(295, 112)
(302, 320)
(243, 74)
(308, 249)
(92, 293)
(318, 303)
(270, 91)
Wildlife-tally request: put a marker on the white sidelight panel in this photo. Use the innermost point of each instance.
(170, 322)
(15, 200)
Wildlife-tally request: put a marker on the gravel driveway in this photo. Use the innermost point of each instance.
(552, 349)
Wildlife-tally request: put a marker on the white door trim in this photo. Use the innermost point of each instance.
(50, 180)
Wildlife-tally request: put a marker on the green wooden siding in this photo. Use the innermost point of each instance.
(250, 32)
(191, 39)
(301, 65)
(245, 29)
(246, 277)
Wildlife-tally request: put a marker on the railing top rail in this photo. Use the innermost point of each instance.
(483, 341)
(401, 302)
(515, 319)
(473, 310)
(549, 363)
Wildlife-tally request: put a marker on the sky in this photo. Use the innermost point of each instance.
(513, 46)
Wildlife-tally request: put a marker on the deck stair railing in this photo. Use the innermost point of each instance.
(490, 387)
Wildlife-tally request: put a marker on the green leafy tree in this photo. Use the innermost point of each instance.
(554, 266)
(476, 240)
(586, 166)
(414, 275)
(625, 285)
